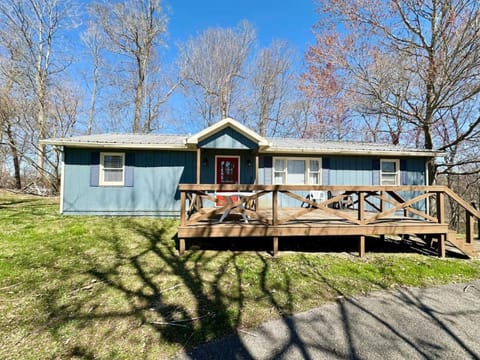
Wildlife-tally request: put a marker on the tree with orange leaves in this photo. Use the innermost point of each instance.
(407, 69)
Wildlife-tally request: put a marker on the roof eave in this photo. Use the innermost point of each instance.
(106, 145)
(278, 150)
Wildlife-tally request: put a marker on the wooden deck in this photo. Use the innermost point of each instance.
(371, 211)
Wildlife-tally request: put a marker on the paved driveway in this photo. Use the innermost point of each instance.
(433, 323)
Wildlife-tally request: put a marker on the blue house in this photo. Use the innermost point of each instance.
(139, 174)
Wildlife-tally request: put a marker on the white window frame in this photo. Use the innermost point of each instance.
(397, 173)
(102, 181)
(307, 169)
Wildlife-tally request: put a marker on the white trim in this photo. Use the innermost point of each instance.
(101, 180)
(397, 172)
(343, 152)
(110, 145)
(228, 122)
(62, 182)
(228, 156)
(307, 168)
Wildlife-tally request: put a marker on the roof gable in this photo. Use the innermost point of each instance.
(218, 128)
(228, 138)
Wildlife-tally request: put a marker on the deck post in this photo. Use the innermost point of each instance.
(183, 204)
(474, 205)
(441, 245)
(441, 207)
(361, 250)
(181, 246)
(382, 202)
(361, 207)
(275, 207)
(469, 227)
(275, 245)
(382, 207)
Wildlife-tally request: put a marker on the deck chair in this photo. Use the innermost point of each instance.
(344, 202)
(316, 196)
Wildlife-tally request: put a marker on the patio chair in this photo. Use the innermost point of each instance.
(315, 195)
(344, 202)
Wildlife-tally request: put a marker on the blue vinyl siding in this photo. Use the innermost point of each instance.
(412, 172)
(228, 139)
(350, 170)
(154, 191)
(152, 178)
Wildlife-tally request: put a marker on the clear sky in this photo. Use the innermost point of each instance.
(289, 20)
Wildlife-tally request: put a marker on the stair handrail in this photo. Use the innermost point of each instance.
(452, 194)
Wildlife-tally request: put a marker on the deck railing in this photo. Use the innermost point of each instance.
(366, 205)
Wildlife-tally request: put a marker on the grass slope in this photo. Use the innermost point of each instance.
(99, 287)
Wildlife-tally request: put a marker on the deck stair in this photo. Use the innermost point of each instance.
(461, 244)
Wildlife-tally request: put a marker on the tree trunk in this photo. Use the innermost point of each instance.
(93, 98)
(138, 97)
(15, 156)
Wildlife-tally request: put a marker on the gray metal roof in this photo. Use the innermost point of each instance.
(121, 141)
(351, 147)
(276, 145)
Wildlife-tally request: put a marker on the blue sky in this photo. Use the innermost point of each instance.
(289, 20)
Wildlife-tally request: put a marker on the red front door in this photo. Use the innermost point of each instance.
(227, 170)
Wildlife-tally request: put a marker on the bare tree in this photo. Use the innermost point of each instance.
(31, 30)
(93, 41)
(8, 122)
(134, 29)
(270, 88)
(416, 62)
(211, 65)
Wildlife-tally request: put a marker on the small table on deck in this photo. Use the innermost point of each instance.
(224, 198)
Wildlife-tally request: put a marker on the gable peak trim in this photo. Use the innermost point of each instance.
(223, 124)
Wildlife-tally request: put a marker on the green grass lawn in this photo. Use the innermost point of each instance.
(108, 288)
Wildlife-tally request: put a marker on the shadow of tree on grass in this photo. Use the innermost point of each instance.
(144, 284)
(142, 300)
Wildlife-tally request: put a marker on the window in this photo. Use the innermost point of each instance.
(389, 172)
(296, 171)
(112, 169)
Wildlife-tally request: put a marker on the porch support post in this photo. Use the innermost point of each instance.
(361, 249)
(275, 245)
(257, 164)
(181, 246)
(199, 164)
(441, 245)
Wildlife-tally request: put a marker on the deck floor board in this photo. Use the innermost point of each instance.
(314, 223)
